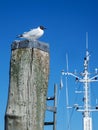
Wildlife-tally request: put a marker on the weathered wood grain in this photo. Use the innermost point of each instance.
(29, 72)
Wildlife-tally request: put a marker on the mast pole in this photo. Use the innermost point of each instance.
(87, 120)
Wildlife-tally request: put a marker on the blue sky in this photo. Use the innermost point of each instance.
(67, 22)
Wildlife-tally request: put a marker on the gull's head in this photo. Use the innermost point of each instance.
(42, 27)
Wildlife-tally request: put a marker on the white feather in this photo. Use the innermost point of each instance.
(33, 34)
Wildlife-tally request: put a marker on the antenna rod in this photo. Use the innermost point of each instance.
(86, 40)
(67, 62)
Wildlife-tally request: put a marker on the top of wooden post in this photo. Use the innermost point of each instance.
(17, 44)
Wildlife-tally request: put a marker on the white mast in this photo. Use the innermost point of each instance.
(85, 78)
(87, 120)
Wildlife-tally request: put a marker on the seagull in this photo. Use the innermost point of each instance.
(33, 34)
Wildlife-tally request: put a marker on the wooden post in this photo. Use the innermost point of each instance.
(29, 70)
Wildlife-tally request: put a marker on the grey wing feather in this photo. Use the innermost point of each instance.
(33, 32)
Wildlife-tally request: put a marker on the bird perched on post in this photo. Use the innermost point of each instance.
(33, 34)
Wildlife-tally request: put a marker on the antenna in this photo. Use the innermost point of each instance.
(67, 95)
(67, 62)
(61, 82)
(67, 102)
(86, 40)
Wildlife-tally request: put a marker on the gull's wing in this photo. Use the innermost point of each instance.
(33, 32)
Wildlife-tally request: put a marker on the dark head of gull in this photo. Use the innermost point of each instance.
(42, 27)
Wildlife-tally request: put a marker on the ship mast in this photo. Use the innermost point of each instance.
(85, 78)
(87, 120)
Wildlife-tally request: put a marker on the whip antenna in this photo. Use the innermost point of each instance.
(67, 62)
(86, 40)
